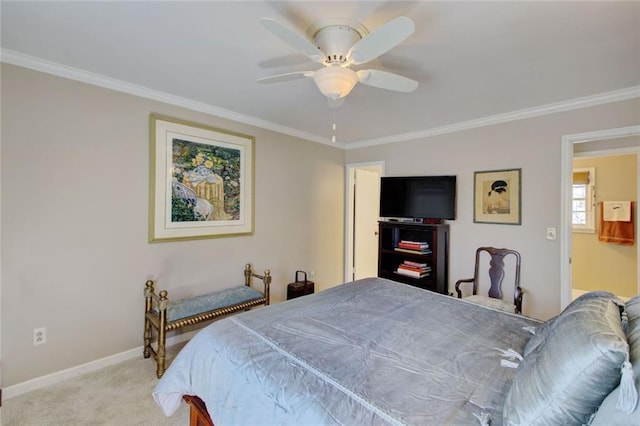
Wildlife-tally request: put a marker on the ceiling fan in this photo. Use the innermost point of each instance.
(338, 44)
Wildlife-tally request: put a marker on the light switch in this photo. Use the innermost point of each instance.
(551, 233)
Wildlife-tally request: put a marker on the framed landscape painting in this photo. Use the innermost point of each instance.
(496, 197)
(201, 181)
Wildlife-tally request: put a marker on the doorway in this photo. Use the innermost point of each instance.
(566, 240)
(362, 215)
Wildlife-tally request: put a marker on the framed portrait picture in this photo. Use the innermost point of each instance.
(201, 181)
(497, 197)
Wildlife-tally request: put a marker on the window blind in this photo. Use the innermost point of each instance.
(580, 178)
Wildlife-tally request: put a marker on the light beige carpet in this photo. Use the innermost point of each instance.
(116, 395)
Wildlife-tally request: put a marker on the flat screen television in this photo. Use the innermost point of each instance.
(418, 197)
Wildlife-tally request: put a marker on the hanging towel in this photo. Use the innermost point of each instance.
(617, 232)
(616, 211)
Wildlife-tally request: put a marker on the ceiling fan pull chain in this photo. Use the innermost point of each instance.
(333, 138)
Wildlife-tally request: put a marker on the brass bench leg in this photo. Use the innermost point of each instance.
(147, 338)
(147, 324)
(162, 333)
(161, 353)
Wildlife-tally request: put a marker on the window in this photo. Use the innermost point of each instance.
(583, 210)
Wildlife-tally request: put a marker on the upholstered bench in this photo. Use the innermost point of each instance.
(164, 315)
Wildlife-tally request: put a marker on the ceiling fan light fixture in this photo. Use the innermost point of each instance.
(335, 82)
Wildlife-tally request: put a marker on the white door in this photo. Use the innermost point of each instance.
(365, 228)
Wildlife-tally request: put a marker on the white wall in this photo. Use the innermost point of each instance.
(534, 145)
(75, 167)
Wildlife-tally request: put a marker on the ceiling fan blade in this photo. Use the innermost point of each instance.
(286, 77)
(297, 75)
(387, 80)
(381, 40)
(293, 39)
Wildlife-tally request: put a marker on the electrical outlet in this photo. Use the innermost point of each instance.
(39, 336)
(312, 274)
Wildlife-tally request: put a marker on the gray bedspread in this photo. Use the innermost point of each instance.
(367, 352)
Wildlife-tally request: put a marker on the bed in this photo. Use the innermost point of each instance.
(375, 351)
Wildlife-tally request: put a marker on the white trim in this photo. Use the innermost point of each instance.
(568, 105)
(70, 373)
(566, 180)
(38, 64)
(19, 59)
(566, 227)
(1, 264)
(584, 230)
(600, 135)
(608, 152)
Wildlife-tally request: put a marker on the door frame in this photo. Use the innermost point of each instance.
(566, 178)
(349, 218)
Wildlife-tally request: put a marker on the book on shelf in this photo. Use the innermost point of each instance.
(413, 245)
(413, 269)
(404, 250)
(414, 242)
(413, 274)
(416, 264)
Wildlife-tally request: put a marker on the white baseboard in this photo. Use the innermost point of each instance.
(59, 376)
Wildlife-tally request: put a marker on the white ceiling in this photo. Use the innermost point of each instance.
(473, 60)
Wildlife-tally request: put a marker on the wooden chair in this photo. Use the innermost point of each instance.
(496, 275)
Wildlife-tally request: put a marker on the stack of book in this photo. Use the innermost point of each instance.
(415, 247)
(413, 269)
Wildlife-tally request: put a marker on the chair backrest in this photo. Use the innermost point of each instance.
(496, 270)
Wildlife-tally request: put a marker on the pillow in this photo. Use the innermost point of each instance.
(564, 379)
(608, 414)
(633, 330)
(545, 328)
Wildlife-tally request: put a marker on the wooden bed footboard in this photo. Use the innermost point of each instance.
(198, 414)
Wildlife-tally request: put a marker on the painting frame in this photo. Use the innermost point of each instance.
(201, 181)
(497, 197)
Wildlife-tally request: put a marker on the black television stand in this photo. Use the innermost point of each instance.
(396, 257)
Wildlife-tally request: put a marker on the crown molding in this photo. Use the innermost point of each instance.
(601, 135)
(608, 152)
(568, 105)
(38, 64)
(48, 67)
